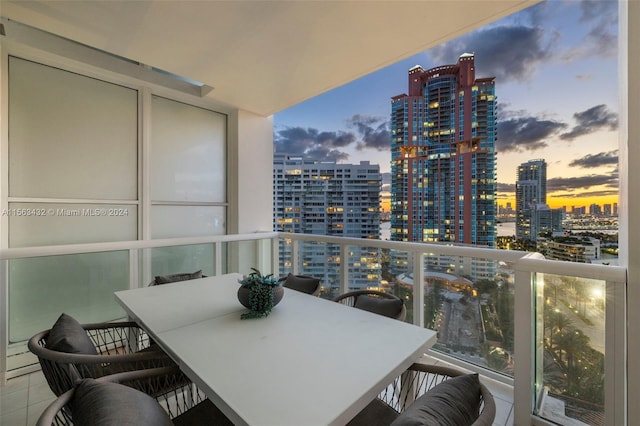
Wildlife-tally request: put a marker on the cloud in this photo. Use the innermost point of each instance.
(603, 17)
(370, 133)
(519, 134)
(584, 194)
(591, 120)
(506, 187)
(600, 20)
(519, 131)
(322, 153)
(373, 131)
(580, 183)
(572, 187)
(311, 143)
(507, 52)
(596, 160)
(516, 51)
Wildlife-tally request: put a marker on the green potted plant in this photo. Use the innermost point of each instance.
(259, 293)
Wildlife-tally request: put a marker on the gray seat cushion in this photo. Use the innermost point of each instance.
(454, 402)
(203, 414)
(388, 307)
(67, 335)
(376, 413)
(302, 283)
(165, 279)
(97, 403)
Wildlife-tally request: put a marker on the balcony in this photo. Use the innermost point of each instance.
(250, 78)
(510, 329)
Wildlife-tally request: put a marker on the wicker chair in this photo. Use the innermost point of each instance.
(120, 347)
(184, 403)
(372, 302)
(415, 382)
(303, 283)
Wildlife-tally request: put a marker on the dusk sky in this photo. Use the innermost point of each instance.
(556, 74)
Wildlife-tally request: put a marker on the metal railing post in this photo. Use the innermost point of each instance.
(295, 256)
(615, 361)
(4, 327)
(524, 328)
(275, 256)
(344, 268)
(418, 289)
(134, 270)
(217, 258)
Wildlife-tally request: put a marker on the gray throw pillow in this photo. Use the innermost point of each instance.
(454, 402)
(165, 279)
(97, 403)
(302, 283)
(387, 307)
(67, 335)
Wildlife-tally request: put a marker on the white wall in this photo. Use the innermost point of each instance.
(249, 152)
(250, 163)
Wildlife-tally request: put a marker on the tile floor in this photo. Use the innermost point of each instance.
(23, 398)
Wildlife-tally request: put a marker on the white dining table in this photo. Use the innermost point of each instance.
(311, 362)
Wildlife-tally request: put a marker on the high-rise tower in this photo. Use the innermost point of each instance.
(531, 191)
(326, 198)
(443, 161)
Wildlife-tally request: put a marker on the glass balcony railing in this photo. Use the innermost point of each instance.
(554, 330)
(497, 312)
(573, 349)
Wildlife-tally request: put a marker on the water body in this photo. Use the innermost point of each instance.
(505, 229)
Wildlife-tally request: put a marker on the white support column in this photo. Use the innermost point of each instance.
(249, 176)
(4, 219)
(629, 198)
(144, 180)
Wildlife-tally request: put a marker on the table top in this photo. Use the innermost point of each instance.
(167, 306)
(311, 362)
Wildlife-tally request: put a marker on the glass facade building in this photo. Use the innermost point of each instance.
(443, 165)
(443, 157)
(531, 191)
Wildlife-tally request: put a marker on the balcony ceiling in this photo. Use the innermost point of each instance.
(262, 56)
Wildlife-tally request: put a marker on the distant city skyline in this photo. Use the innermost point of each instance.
(555, 66)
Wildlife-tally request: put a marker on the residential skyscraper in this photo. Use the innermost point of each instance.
(531, 190)
(443, 159)
(325, 198)
(543, 219)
